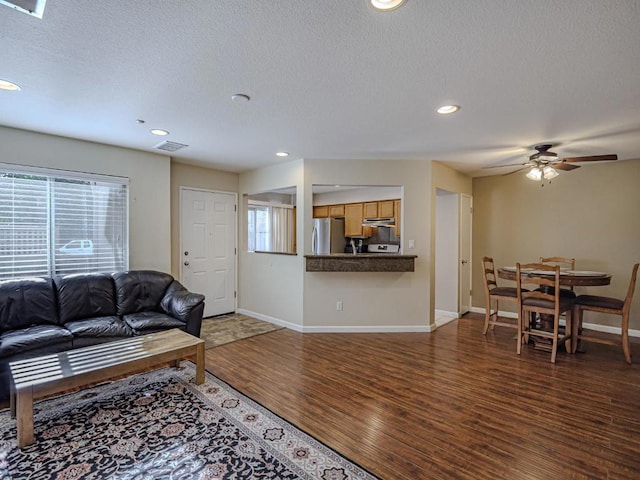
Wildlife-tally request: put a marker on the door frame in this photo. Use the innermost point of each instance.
(463, 217)
(235, 236)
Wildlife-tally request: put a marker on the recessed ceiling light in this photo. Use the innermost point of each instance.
(446, 109)
(7, 85)
(282, 154)
(240, 98)
(158, 131)
(386, 5)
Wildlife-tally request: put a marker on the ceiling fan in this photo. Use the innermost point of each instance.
(545, 164)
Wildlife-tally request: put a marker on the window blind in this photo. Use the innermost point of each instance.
(55, 223)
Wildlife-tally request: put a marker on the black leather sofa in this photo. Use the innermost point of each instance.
(52, 314)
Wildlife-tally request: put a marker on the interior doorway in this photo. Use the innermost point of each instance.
(208, 247)
(453, 255)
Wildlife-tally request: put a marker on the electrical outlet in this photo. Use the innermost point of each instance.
(339, 305)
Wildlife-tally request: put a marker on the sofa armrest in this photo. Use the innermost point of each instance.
(184, 305)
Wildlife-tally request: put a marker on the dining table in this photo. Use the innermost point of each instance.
(568, 278)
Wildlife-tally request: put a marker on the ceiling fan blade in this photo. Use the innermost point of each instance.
(515, 171)
(593, 158)
(565, 166)
(508, 165)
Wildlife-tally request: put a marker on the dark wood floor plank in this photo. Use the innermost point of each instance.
(452, 404)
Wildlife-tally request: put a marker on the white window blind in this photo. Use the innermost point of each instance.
(58, 223)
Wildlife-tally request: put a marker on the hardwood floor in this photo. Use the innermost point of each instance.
(452, 404)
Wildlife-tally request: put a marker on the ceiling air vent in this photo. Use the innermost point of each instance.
(34, 8)
(168, 146)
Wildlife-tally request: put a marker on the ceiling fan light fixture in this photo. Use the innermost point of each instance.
(535, 174)
(549, 172)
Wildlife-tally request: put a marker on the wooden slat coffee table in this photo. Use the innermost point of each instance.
(55, 373)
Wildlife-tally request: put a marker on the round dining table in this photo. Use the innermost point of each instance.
(580, 278)
(570, 278)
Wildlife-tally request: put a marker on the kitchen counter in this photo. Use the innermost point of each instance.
(361, 262)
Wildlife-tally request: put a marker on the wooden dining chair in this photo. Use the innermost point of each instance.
(494, 293)
(612, 306)
(543, 303)
(562, 262)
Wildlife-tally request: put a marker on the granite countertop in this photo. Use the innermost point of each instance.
(361, 255)
(360, 262)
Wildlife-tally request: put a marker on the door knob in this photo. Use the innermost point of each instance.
(186, 253)
(186, 263)
(464, 262)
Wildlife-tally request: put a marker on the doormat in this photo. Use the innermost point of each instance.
(223, 329)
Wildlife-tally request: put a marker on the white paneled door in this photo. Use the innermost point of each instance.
(208, 247)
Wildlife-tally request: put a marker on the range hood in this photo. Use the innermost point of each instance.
(379, 222)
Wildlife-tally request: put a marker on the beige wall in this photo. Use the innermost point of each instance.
(149, 199)
(590, 214)
(270, 285)
(372, 301)
(183, 175)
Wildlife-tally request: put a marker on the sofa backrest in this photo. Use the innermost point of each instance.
(26, 302)
(140, 290)
(85, 295)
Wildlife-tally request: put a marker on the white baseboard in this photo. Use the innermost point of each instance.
(442, 317)
(339, 328)
(267, 318)
(589, 326)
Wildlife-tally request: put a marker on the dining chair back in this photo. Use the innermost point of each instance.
(612, 306)
(494, 293)
(563, 262)
(543, 301)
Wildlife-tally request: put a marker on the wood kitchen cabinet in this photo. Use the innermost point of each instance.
(396, 215)
(336, 211)
(353, 216)
(370, 210)
(382, 209)
(386, 209)
(321, 211)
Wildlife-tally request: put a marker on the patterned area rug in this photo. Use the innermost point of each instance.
(229, 328)
(160, 425)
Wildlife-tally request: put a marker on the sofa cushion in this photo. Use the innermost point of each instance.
(26, 302)
(36, 340)
(85, 296)
(144, 322)
(99, 327)
(140, 290)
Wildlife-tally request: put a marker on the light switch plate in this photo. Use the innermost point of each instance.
(412, 244)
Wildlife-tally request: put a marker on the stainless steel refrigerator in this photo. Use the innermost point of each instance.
(327, 236)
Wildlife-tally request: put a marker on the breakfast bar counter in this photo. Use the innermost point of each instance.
(361, 262)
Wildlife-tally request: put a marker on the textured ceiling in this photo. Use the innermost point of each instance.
(330, 78)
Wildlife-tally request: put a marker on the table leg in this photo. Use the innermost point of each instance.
(176, 363)
(24, 416)
(12, 399)
(200, 363)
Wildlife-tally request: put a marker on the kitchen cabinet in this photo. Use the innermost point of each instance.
(396, 215)
(336, 211)
(353, 216)
(320, 211)
(381, 209)
(386, 209)
(370, 210)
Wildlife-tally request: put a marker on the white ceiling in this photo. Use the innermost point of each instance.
(330, 78)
